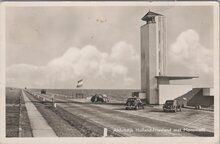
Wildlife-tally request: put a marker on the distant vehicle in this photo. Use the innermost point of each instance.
(134, 103)
(99, 98)
(172, 105)
(43, 91)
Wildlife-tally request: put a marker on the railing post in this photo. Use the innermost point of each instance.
(20, 117)
(105, 131)
(54, 105)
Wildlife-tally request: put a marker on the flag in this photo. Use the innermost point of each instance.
(79, 83)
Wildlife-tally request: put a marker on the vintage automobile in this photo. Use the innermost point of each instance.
(134, 103)
(99, 98)
(172, 105)
(43, 91)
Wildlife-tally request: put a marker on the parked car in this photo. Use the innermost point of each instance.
(99, 98)
(134, 103)
(172, 105)
(43, 91)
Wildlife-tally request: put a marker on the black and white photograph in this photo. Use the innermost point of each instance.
(110, 69)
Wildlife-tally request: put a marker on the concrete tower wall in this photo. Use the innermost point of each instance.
(169, 92)
(154, 81)
(161, 44)
(153, 64)
(152, 57)
(144, 58)
(149, 63)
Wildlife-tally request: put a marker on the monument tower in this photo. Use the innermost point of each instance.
(153, 54)
(155, 83)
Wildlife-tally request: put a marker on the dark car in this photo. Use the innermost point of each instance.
(172, 105)
(99, 98)
(134, 103)
(43, 91)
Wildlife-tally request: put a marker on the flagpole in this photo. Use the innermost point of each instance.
(82, 92)
(80, 85)
(76, 89)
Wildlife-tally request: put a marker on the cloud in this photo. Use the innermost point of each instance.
(188, 53)
(87, 62)
(123, 51)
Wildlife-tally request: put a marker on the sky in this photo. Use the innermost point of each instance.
(54, 47)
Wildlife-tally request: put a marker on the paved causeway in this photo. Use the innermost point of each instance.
(40, 127)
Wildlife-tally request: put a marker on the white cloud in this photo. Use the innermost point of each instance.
(123, 51)
(87, 62)
(189, 53)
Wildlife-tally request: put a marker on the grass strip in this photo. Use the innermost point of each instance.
(85, 126)
(60, 126)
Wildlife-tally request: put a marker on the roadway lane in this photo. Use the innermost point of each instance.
(194, 119)
(197, 119)
(130, 123)
(187, 117)
(127, 124)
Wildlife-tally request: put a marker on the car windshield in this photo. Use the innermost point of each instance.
(131, 99)
(169, 102)
(104, 95)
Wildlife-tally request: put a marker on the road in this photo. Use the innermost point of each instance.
(40, 127)
(147, 122)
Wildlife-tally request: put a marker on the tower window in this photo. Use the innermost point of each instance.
(159, 62)
(151, 20)
(159, 37)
